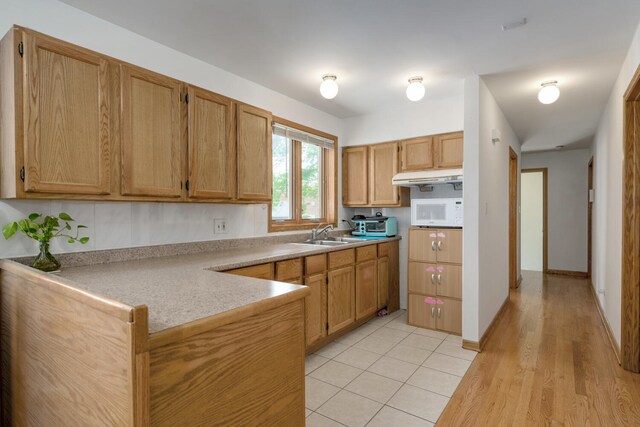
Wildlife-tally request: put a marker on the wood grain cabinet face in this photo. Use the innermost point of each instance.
(151, 143)
(383, 282)
(67, 118)
(366, 288)
(383, 165)
(449, 315)
(449, 280)
(449, 150)
(253, 127)
(423, 245)
(449, 246)
(212, 146)
(316, 308)
(416, 154)
(421, 313)
(422, 278)
(341, 299)
(354, 176)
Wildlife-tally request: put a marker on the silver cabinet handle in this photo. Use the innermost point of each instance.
(439, 312)
(433, 278)
(433, 245)
(440, 245)
(433, 310)
(439, 279)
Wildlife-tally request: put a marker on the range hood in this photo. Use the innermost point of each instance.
(431, 177)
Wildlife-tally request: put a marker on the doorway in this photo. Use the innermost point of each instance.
(589, 218)
(513, 219)
(533, 250)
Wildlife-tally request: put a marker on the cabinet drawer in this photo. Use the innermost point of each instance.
(366, 253)
(422, 277)
(260, 271)
(449, 280)
(449, 316)
(288, 270)
(341, 258)
(384, 249)
(315, 264)
(420, 313)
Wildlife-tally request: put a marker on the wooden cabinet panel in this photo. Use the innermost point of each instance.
(315, 264)
(449, 246)
(416, 154)
(384, 249)
(422, 244)
(354, 176)
(316, 308)
(420, 313)
(67, 118)
(422, 278)
(289, 269)
(449, 280)
(151, 142)
(254, 153)
(448, 150)
(260, 271)
(341, 299)
(366, 253)
(366, 288)
(341, 258)
(212, 145)
(383, 282)
(383, 165)
(449, 316)
(394, 276)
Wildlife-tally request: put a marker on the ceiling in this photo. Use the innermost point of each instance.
(374, 46)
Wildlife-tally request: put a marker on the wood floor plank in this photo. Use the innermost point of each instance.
(548, 362)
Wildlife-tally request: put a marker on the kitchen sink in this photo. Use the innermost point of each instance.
(325, 242)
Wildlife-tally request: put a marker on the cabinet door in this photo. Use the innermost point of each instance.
(254, 153)
(341, 299)
(212, 146)
(449, 280)
(448, 149)
(354, 176)
(449, 246)
(422, 244)
(315, 318)
(383, 282)
(383, 165)
(449, 316)
(366, 288)
(67, 118)
(416, 154)
(422, 278)
(420, 313)
(151, 142)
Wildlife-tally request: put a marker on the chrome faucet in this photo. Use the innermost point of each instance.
(318, 230)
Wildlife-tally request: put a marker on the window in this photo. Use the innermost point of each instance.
(304, 192)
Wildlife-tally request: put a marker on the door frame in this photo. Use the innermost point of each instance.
(514, 280)
(630, 305)
(545, 222)
(589, 217)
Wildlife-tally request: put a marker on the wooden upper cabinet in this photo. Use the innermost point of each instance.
(254, 153)
(383, 165)
(151, 142)
(448, 149)
(416, 154)
(354, 176)
(212, 145)
(67, 118)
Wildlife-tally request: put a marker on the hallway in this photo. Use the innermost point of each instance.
(548, 362)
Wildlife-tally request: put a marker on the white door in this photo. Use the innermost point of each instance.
(532, 221)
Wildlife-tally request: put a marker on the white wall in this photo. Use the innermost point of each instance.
(115, 225)
(427, 117)
(567, 175)
(532, 221)
(486, 210)
(607, 207)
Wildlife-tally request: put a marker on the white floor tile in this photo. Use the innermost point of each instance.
(420, 341)
(336, 373)
(393, 368)
(317, 392)
(435, 381)
(419, 402)
(391, 417)
(431, 333)
(317, 420)
(332, 350)
(400, 325)
(350, 409)
(455, 350)
(357, 357)
(380, 321)
(448, 364)
(374, 387)
(307, 412)
(313, 362)
(454, 339)
(409, 354)
(351, 338)
(375, 345)
(394, 335)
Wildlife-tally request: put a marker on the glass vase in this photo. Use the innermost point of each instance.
(45, 261)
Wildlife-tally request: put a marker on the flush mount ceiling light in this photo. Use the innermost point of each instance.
(415, 90)
(329, 87)
(549, 92)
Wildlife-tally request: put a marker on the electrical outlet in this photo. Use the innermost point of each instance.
(220, 226)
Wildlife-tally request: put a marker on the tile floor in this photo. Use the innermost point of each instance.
(385, 373)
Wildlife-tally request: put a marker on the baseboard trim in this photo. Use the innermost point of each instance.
(479, 346)
(607, 326)
(568, 273)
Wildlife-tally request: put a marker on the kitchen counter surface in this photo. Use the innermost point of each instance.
(184, 288)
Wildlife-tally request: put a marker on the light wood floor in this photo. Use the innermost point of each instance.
(548, 362)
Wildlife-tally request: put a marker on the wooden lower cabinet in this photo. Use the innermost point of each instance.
(340, 299)
(449, 280)
(366, 288)
(449, 315)
(315, 308)
(383, 282)
(420, 313)
(444, 315)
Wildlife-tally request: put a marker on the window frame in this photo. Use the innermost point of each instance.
(329, 184)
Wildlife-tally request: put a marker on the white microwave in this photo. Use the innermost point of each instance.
(436, 212)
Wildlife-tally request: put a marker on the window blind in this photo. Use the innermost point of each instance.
(299, 135)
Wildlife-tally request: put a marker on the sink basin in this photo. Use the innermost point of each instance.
(325, 242)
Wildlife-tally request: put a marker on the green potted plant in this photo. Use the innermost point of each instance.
(43, 229)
